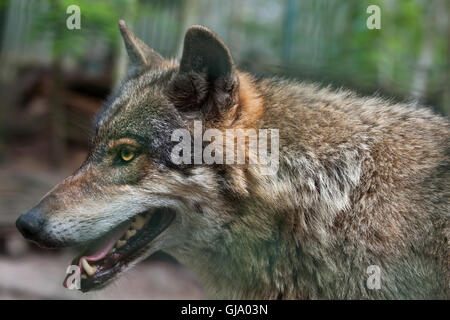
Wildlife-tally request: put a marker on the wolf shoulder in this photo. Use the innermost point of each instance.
(324, 120)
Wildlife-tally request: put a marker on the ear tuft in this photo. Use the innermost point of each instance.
(205, 52)
(207, 80)
(139, 53)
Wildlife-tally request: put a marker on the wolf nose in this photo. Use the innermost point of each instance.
(30, 223)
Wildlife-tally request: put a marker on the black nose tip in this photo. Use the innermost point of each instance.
(30, 223)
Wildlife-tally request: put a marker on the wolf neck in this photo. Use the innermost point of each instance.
(250, 267)
(268, 251)
(270, 247)
(281, 226)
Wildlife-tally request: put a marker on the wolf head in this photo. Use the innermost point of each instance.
(128, 199)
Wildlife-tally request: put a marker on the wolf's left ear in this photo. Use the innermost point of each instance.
(141, 56)
(207, 80)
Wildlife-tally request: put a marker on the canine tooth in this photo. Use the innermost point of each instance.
(138, 223)
(129, 234)
(112, 250)
(90, 270)
(120, 243)
(83, 276)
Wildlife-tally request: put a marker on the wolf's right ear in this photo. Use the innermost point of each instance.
(141, 56)
(207, 81)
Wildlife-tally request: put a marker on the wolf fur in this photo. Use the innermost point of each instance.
(362, 181)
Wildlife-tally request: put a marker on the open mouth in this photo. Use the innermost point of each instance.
(113, 252)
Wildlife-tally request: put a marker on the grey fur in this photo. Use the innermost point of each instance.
(362, 181)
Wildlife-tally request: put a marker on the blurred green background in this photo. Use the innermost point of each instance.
(53, 80)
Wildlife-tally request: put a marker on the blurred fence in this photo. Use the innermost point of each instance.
(311, 39)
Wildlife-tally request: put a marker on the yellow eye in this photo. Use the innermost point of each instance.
(127, 155)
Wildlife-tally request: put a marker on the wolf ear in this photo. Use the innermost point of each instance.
(141, 56)
(207, 80)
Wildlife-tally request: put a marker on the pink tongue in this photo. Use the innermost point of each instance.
(102, 248)
(99, 251)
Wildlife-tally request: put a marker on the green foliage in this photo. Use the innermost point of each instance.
(313, 39)
(98, 18)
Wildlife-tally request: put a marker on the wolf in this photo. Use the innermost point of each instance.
(358, 208)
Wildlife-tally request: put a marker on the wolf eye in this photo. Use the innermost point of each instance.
(127, 155)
